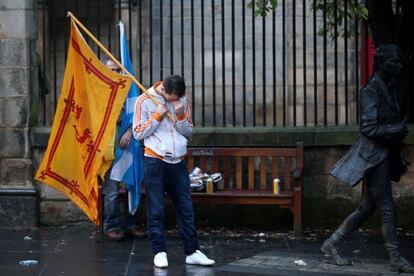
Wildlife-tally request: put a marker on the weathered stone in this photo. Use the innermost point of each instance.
(18, 24)
(17, 5)
(404, 188)
(315, 186)
(12, 142)
(318, 212)
(48, 193)
(45, 191)
(15, 52)
(338, 190)
(338, 136)
(14, 82)
(236, 215)
(15, 112)
(40, 136)
(18, 211)
(60, 212)
(1, 113)
(320, 160)
(18, 30)
(16, 172)
(405, 209)
(37, 157)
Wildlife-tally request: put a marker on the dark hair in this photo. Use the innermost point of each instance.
(174, 84)
(384, 52)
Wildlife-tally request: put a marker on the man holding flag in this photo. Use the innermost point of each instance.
(127, 165)
(84, 127)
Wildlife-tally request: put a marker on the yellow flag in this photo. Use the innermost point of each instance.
(84, 124)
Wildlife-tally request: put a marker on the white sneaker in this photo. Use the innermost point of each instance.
(198, 258)
(160, 260)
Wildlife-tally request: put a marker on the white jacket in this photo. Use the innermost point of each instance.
(166, 139)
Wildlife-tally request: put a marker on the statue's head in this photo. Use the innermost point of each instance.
(388, 59)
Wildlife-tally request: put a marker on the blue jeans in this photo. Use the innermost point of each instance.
(112, 219)
(161, 177)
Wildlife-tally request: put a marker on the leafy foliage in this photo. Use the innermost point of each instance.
(335, 14)
(335, 10)
(262, 7)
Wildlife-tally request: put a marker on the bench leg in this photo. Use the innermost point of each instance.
(297, 214)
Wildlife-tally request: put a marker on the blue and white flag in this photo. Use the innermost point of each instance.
(128, 164)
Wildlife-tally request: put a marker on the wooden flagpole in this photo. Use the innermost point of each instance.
(78, 23)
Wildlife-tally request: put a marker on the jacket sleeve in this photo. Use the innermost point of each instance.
(184, 124)
(370, 127)
(145, 122)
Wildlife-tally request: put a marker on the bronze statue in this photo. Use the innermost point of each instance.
(375, 157)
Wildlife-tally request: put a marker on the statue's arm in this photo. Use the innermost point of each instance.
(370, 127)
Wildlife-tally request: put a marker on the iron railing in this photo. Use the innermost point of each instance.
(240, 70)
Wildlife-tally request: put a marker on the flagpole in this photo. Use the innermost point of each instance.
(78, 23)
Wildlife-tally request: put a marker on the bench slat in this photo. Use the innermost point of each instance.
(251, 173)
(275, 167)
(226, 165)
(190, 164)
(203, 163)
(262, 173)
(214, 165)
(287, 174)
(239, 173)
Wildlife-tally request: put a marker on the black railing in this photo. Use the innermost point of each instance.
(280, 70)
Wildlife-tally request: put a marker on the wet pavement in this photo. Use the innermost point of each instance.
(81, 250)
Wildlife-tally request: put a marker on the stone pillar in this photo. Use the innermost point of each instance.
(18, 31)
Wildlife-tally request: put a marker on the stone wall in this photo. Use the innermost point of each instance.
(326, 200)
(17, 84)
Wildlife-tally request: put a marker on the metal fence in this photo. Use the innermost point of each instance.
(240, 70)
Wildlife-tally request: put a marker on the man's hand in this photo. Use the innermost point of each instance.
(178, 107)
(162, 110)
(125, 139)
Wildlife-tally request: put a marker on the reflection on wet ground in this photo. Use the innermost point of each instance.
(81, 250)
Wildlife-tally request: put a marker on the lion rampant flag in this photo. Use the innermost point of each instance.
(84, 126)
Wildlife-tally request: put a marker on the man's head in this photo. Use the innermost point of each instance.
(112, 66)
(174, 88)
(388, 59)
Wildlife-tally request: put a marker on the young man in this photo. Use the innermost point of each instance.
(165, 169)
(112, 220)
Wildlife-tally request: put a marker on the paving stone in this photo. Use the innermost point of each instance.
(57, 249)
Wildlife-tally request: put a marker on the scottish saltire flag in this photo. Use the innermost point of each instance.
(127, 166)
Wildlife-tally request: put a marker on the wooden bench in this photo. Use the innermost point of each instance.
(248, 175)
